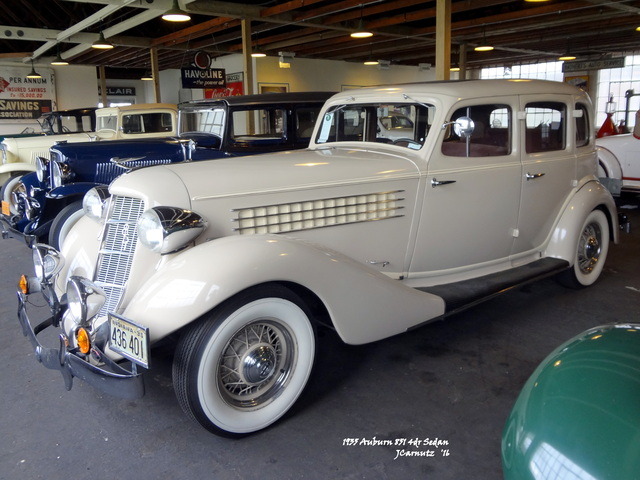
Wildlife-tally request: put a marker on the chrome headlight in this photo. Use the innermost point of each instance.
(85, 299)
(47, 262)
(42, 169)
(94, 202)
(60, 173)
(169, 229)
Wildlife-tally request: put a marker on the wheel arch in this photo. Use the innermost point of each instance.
(592, 196)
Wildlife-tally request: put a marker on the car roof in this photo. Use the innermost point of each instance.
(463, 89)
(262, 98)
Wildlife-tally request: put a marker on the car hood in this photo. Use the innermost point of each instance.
(268, 173)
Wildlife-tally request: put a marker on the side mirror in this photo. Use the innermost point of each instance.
(463, 127)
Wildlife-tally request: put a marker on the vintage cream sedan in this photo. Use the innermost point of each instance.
(241, 259)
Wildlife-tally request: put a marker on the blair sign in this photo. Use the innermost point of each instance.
(203, 77)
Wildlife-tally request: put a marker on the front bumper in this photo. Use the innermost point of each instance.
(9, 229)
(110, 378)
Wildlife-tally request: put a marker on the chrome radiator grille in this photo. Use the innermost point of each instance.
(117, 249)
(106, 172)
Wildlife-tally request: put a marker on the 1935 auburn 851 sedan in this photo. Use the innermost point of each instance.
(47, 202)
(494, 186)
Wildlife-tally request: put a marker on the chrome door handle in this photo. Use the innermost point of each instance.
(533, 176)
(437, 183)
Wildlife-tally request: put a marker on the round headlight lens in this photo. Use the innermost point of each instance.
(169, 229)
(94, 202)
(85, 299)
(47, 262)
(151, 231)
(42, 169)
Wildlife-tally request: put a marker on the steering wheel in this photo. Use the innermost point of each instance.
(407, 142)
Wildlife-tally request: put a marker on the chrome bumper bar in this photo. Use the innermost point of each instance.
(110, 378)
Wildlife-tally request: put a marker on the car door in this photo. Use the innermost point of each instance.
(472, 193)
(548, 167)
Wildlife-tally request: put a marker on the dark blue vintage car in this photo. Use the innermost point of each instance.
(49, 201)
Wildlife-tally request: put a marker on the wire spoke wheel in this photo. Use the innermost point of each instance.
(590, 254)
(256, 364)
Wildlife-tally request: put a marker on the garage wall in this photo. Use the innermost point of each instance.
(330, 75)
(304, 75)
(76, 86)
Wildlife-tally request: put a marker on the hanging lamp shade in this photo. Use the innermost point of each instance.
(59, 60)
(484, 46)
(102, 43)
(33, 74)
(361, 32)
(176, 14)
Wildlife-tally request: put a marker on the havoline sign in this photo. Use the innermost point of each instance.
(203, 77)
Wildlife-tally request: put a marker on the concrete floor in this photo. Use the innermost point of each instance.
(453, 381)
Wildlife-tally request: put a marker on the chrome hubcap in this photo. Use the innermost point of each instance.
(259, 364)
(589, 248)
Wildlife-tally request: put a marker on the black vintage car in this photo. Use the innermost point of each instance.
(49, 201)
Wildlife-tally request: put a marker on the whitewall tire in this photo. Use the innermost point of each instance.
(243, 367)
(591, 252)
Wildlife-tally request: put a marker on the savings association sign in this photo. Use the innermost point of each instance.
(203, 77)
(23, 98)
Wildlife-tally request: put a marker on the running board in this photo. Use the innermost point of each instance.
(465, 294)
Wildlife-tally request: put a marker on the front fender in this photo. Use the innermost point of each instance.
(592, 195)
(17, 167)
(71, 189)
(363, 304)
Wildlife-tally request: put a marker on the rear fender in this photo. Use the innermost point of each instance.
(592, 195)
(608, 162)
(364, 305)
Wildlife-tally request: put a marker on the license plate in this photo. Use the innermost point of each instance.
(5, 208)
(129, 339)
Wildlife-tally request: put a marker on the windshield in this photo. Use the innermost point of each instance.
(403, 124)
(109, 122)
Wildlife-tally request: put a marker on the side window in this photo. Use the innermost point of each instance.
(583, 133)
(259, 124)
(491, 135)
(545, 126)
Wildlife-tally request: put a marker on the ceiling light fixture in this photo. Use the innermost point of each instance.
(102, 43)
(258, 54)
(361, 32)
(285, 59)
(59, 61)
(146, 77)
(567, 55)
(484, 46)
(176, 14)
(33, 74)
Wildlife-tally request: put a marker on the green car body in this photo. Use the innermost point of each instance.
(578, 415)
